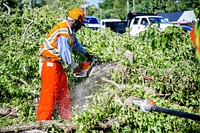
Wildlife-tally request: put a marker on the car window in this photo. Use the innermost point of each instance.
(91, 21)
(144, 21)
(136, 21)
(157, 20)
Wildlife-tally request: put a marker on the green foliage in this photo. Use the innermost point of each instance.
(105, 44)
(118, 8)
(90, 10)
(105, 108)
(106, 4)
(20, 38)
(168, 62)
(164, 61)
(197, 12)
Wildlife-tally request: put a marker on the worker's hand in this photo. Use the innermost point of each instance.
(89, 57)
(77, 70)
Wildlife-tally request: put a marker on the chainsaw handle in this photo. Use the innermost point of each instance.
(94, 60)
(77, 70)
(83, 74)
(176, 113)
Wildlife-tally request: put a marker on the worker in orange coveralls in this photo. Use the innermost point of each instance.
(195, 36)
(57, 49)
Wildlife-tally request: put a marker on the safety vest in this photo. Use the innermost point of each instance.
(49, 49)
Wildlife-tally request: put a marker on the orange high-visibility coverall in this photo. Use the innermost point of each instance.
(54, 82)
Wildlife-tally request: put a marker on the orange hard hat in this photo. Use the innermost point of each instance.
(77, 14)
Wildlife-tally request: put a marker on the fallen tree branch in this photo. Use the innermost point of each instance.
(8, 8)
(106, 125)
(26, 29)
(109, 122)
(32, 34)
(34, 131)
(121, 86)
(129, 101)
(146, 88)
(66, 126)
(16, 128)
(7, 112)
(15, 77)
(20, 79)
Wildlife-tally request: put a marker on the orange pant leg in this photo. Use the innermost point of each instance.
(64, 97)
(192, 35)
(49, 91)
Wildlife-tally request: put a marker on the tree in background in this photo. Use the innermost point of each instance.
(113, 9)
(20, 5)
(106, 4)
(109, 8)
(117, 8)
(91, 10)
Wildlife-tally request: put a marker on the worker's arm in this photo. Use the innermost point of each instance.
(65, 51)
(79, 48)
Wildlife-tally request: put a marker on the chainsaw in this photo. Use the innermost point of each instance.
(87, 68)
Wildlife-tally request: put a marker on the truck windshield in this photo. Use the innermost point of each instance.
(91, 21)
(157, 20)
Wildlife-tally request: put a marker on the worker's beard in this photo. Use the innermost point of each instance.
(76, 25)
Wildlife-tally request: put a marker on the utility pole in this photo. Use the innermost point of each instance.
(100, 13)
(84, 7)
(100, 9)
(133, 5)
(127, 3)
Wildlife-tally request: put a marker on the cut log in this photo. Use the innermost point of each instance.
(8, 112)
(66, 126)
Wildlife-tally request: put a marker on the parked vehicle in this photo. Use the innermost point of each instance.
(131, 16)
(141, 23)
(115, 25)
(105, 22)
(184, 28)
(92, 22)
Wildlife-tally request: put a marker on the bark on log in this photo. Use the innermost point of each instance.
(8, 112)
(5, 111)
(37, 125)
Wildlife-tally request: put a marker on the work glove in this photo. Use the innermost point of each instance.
(77, 70)
(89, 57)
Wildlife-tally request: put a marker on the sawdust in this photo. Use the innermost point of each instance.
(80, 93)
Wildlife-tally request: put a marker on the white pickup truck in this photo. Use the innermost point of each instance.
(141, 23)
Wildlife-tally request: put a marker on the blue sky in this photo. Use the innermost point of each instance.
(94, 2)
